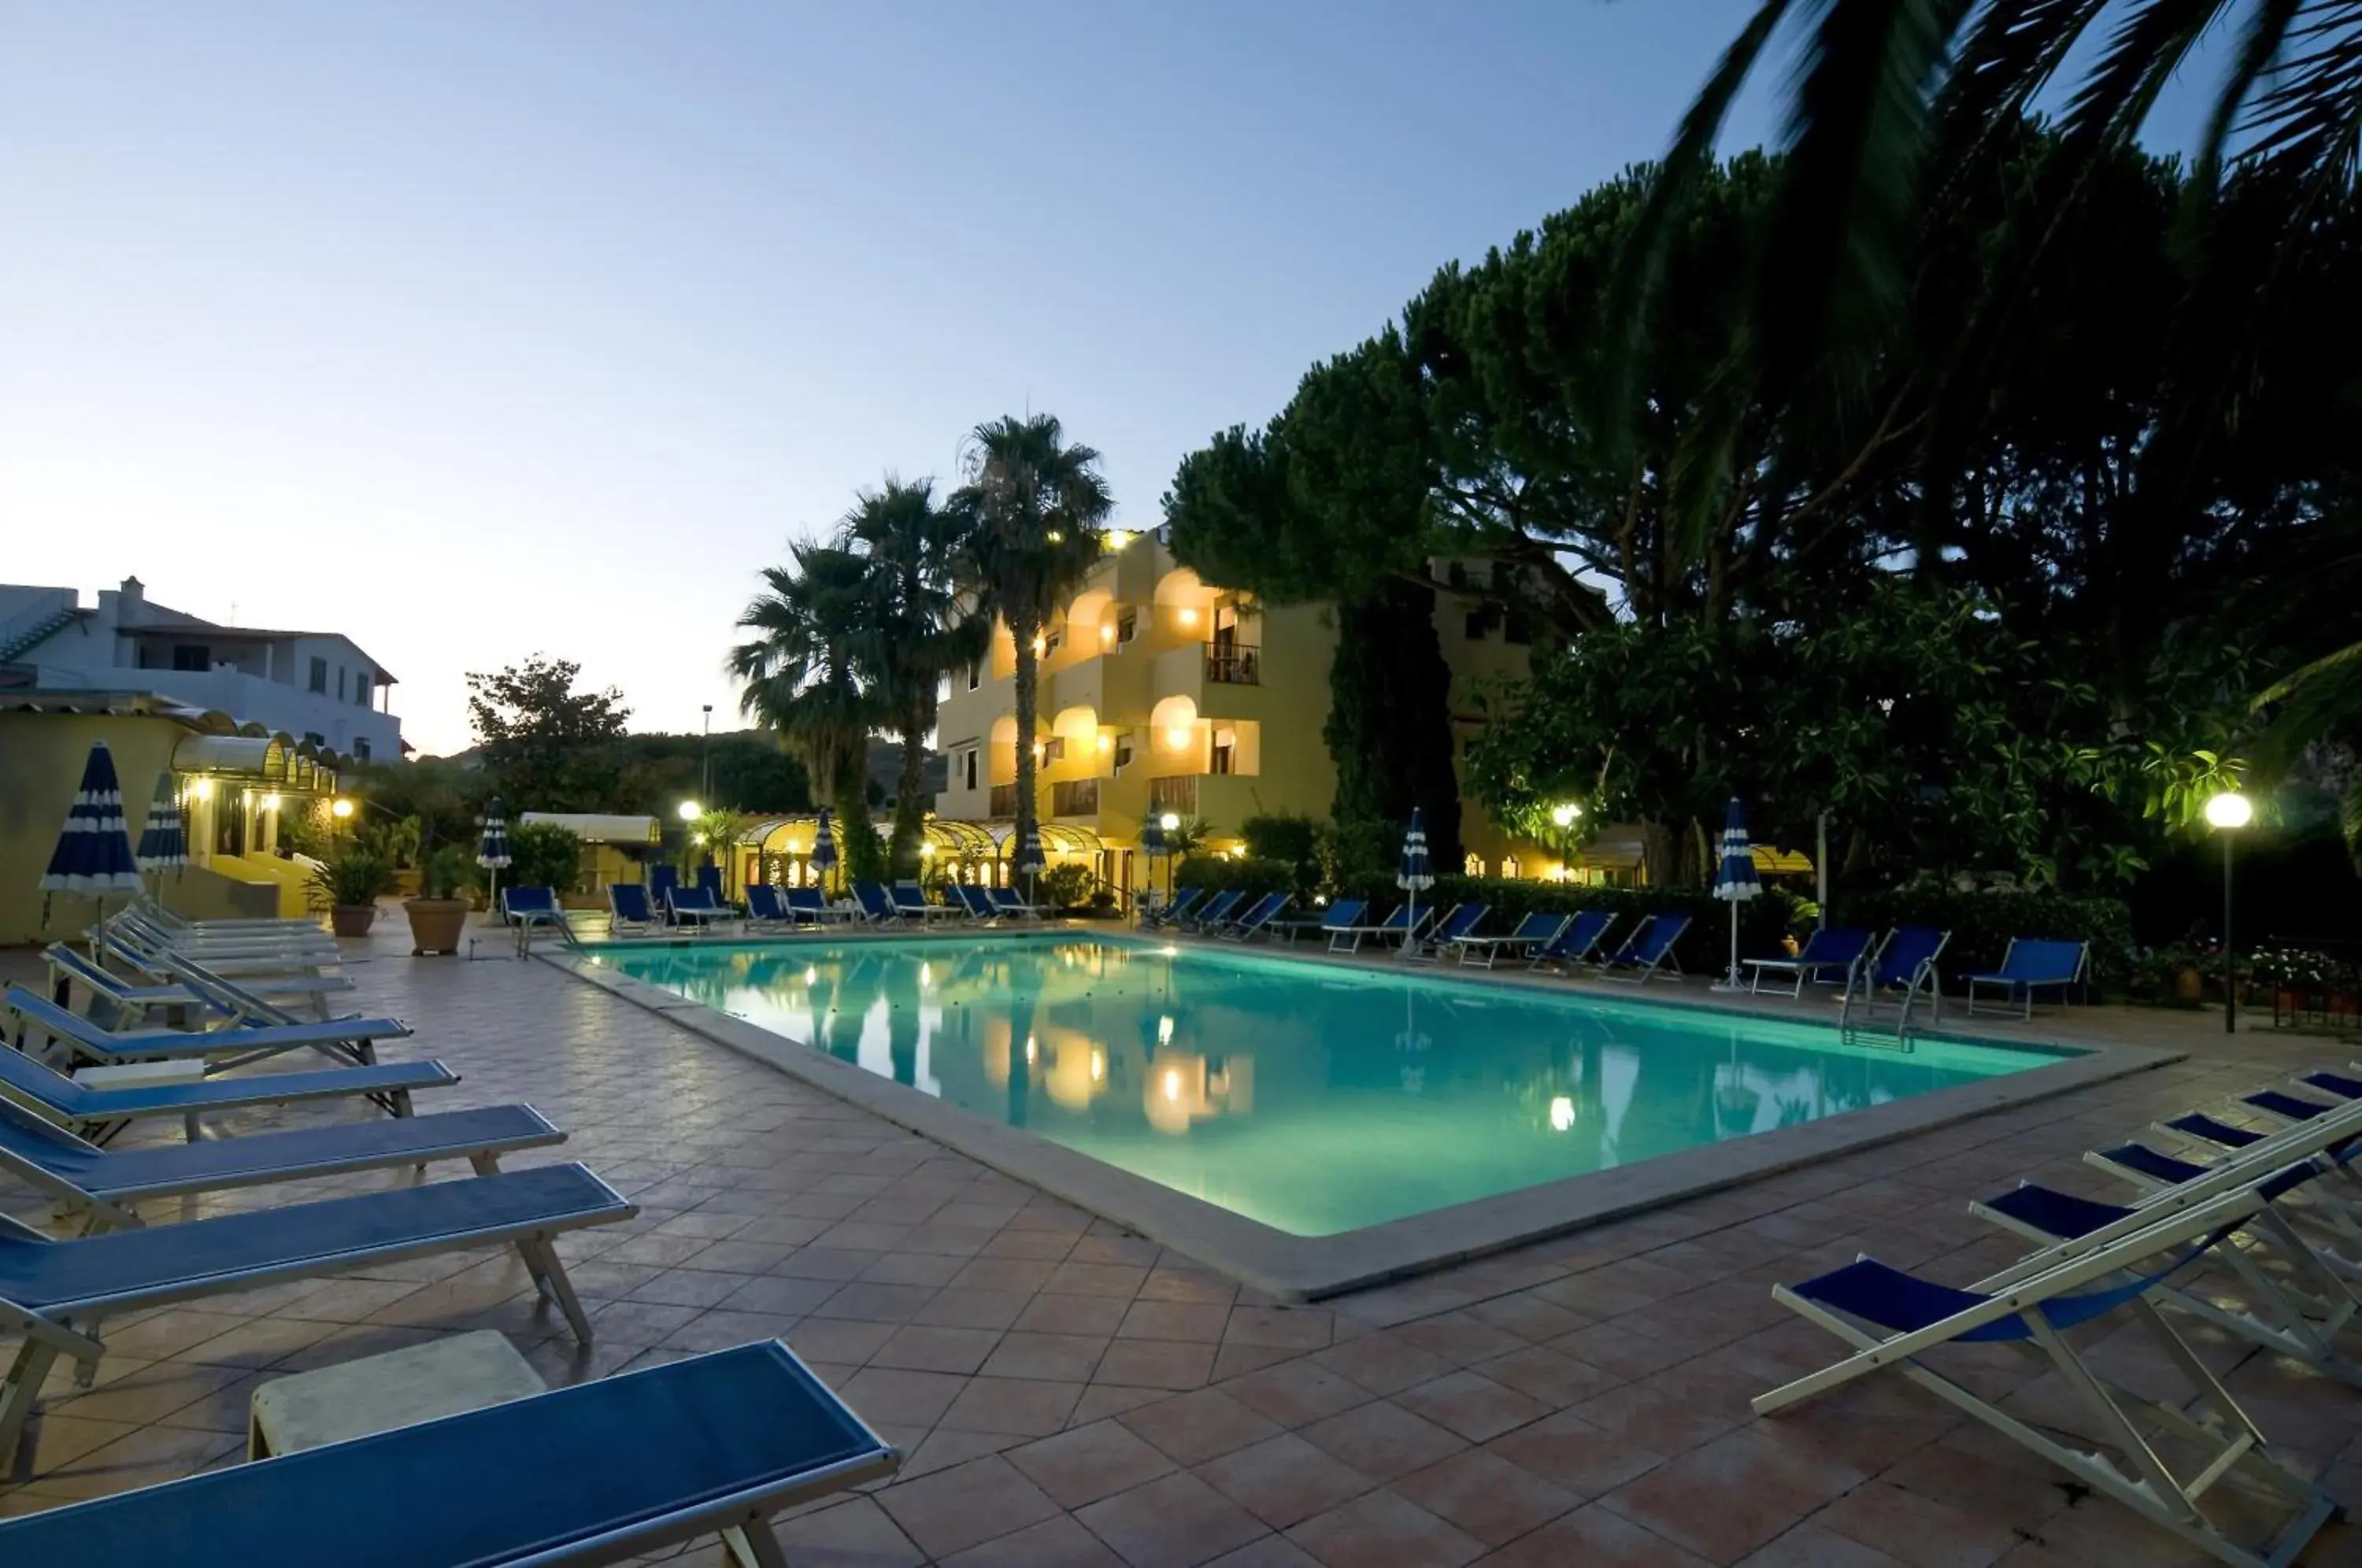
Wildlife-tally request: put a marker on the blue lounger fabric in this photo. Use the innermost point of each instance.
(158, 1262)
(623, 1455)
(83, 1103)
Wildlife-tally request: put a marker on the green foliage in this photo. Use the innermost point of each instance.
(445, 871)
(861, 849)
(801, 668)
(1389, 726)
(541, 855)
(353, 877)
(397, 843)
(710, 837)
(540, 738)
(1981, 924)
(1294, 841)
(1067, 886)
(1217, 873)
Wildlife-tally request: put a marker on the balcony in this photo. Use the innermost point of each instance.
(1004, 800)
(1075, 798)
(1233, 664)
(1175, 792)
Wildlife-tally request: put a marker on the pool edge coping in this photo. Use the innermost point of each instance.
(1308, 1268)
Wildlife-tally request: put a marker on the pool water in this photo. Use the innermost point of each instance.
(1311, 1097)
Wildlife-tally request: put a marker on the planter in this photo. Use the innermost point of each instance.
(352, 919)
(2189, 984)
(435, 924)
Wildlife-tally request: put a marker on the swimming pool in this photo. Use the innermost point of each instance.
(1314, 1098)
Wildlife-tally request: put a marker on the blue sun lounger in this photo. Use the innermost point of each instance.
(608, 1471)
(708, 879)
(1535, 932)
(52, 1292)
(877, 904)
(1006, 903)
(1900, 969)
(1456, 924)
(664, 881)
(1397, 924)
(764, 912)
(2029, 965)
(628, 913)
(237, 1046)
(97, 1113)
(1214, 911)
(809, 908)
(1647, 950)
(910, 903)
(1578, 944)
(1171, 912)
(1896, 1320)
(531, 907)
(696, 906)
(975, 902)
(1342, 914)
(1252, 923)
(1832, 950)
(103, 1185)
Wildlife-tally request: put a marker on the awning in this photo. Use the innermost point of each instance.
(1782, 862)
(599, 827)
(258, 757)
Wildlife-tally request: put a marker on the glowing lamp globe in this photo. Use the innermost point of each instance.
(2230, 809)
(687, 811)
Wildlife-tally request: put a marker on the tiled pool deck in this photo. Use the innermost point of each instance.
(1071, 1394)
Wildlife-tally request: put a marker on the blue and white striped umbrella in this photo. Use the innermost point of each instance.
(1417, 873)
(164, 841)
(1151, 836)
(1028, 854)
(94, 853)
(1734, 879)
(493, 849)
(823, 853)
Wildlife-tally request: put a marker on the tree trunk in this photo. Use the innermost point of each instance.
(1029, 671)
(909, 810)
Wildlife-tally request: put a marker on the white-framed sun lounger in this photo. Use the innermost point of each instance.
(351, 1040)
(55, 1293)
(619, 1468)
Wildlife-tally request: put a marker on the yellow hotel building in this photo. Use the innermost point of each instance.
(1161, 692)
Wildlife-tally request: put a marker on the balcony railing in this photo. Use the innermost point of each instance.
(1234, 664)
(1004, 800)
(1073, 796)
(1175, 792)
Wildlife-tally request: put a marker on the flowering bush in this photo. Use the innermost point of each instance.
(2296, 969)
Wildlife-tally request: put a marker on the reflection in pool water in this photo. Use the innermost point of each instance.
(1313, 1098)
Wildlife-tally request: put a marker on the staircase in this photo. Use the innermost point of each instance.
(34, 626)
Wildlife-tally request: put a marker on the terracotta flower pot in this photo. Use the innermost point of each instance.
(435, 924)
(352, 919)
(2188, 983)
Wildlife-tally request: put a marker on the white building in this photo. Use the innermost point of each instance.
(313, 686)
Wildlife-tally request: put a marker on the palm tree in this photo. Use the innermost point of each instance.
(912, 632)
(1037, 512)
(1899, 106)
(801, 666)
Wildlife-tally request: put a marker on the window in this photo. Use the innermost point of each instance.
(340, 683)
(967, 769)
(975, 673)
(320, 674)
(1474, 627)
(1509, 867)
(314, 738)
(1050, 642)
(361, 684)
(1053, 749)
(1226, 745)
(1123, 754)
(191, 656)
(1126, 627)
(1474, 866)
(1518, 628)
(360, 748)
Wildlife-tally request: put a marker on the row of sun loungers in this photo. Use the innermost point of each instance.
(617, 1468)
(2250, 1230)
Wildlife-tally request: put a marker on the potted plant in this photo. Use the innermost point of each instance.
(440, 914)
(350, 884)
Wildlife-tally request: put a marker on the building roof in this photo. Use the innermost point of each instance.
(248, 634)
(132, 703)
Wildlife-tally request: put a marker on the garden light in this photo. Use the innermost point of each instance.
(1170, 821)
(1564, 813)
(689, 811)
(339, 808)
(2230, 809)
(2228, 813)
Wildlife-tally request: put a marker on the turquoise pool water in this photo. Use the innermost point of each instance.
(1313, 1098)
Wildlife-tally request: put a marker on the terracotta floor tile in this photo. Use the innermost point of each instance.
(1556, 1380)
(1810, 1546)
(1028, 1407)
(1592, 1537)
(923, 1349)
(1121, 1281)
(1283, 1480)
(966, 1506)
(1053, 1543)
(1155, 1364)
(1171, 1283)
(1271, 1552)
(776, 1293)
(1383, 1440)
(1195, 1426)
(838, 1339)
(1176, 1522)
(1570, 1453)
(1917, 1531)
(958, 1307)
(1282, 1327)
(1528, 1317)
(1296, 1392)
(1485, 1496)
(1474, 1407)
(854, 1533)
(1068, 1357)
(883, 1394)
(1384, 1363)
(1198, 1321)
(1085, 1463)
(1760, 1490)
(1381, 1529)
(1094, 1315)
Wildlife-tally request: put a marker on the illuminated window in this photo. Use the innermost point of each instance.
(1474, 865)
(1509, 865)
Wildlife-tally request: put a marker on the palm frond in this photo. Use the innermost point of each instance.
(2260, 47)
(2308, 126)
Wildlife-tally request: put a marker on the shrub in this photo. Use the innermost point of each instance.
(1066, 886)
(446, 872)
(1982, 923)
(1217, 873)
(541, 855)
(356, 877)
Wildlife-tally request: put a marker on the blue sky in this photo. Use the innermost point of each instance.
(476, 330)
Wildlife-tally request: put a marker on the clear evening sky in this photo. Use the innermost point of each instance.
(472, 331)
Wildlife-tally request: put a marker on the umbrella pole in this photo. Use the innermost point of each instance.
(1729, 981)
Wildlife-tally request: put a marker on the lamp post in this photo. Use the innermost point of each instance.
(705, 755)
(1563, 815)
(1171, 823)
(2227, 814)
